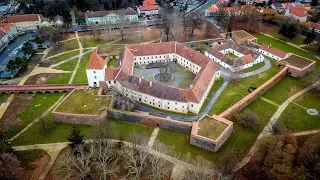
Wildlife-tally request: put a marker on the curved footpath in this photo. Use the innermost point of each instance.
(213, 99)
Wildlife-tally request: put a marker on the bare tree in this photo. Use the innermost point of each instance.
(105, 159)
(124, 100)
(176, 24)
(248, 119)
(167, 20)
(136, 161)
(10, 167)
(235, 76)
(77, 166)
(123, 23)
(204, 170)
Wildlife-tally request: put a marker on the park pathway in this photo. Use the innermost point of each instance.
(153, 138)
(291, 44)
(79, 58)
(273, 120)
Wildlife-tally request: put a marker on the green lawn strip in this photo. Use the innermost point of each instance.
(62, 78)
(58, 132)
(202, 47)
(236, 91)
(212, 91)
(298, 40)
(231, 55)
(81, 76)
(254, 67)
(112, 63)
(84, 102)
(40, 104)
(3, 98)
(68, 66)
(168, 112)
(65, 56)
(90, 42)
(262, 39)
(64, 46)
(40, 50)
(313, 49)
(285, 88)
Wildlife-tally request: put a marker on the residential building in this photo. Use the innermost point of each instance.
(287, 5)
(237, 10)
(295, 4)
(276, 6)
(28, 22)
(111, 17)
(273, 52)
(155, 93)
(234, 57)
(298, 13)
(307, 6)
(251, 2)
(7, 33)
(315, 26)
(149, 8)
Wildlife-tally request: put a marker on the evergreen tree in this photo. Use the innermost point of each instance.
(75, 137)
(309, 37)
(27, 49)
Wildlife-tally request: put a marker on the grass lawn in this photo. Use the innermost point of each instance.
(3, 98)
(81, 76)
(112, 63)
(298, 40)
(262, 39)
(295, 116)
(40, 104)
(64, 46)
(283, 90)
(236, 91)
(84, 102)
(210, 128)
(213, 90)
(202, 47)
(90, 42)
(60, 79)
(58, 132)
(231, 55)
(68, 66)
(65, 56)
(40, 50)
(313, 49)
(254, 67)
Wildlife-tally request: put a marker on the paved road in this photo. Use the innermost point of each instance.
(5, 54)
(187, 118)
(201, 8)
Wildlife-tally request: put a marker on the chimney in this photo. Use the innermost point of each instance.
(150, 83)
(139, 80)
(191, 86)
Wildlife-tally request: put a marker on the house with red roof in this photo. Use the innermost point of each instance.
(149, 8)
(111, 17)
(307, 6)
(287, 5)
(152, 92)
(298, 12)
(7, 33)
(315, 26)
(95, 69)
(234, 57)
(237, 10)
(273, 52)
(25, 22)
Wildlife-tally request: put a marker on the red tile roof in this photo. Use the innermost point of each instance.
(298, 11)
(23, 18)
(6, 27)
(247, 59)
(213, 8)
(152, 48)
(306, 5)
(287, 4)
(111, 73)
(315, 25)
(274, 51)
(148, 7)
(96, 61)
(149, 2)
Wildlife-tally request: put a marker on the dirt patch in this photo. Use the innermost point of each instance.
(68, 36)
(39, 166)
(17, 106)
(39, 79)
